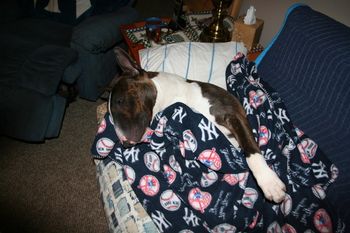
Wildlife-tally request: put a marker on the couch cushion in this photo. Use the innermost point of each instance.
(309, 64)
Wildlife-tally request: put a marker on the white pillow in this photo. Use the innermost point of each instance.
(204, 62)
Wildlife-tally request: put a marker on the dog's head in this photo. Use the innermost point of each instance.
(131, 100)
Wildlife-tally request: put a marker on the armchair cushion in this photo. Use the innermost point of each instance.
(31, 65)
(43, 69)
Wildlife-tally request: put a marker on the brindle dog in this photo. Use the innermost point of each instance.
(137, 95)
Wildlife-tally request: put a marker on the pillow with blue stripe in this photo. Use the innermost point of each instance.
(204, 62)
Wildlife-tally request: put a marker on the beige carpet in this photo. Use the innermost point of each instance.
(52, 187)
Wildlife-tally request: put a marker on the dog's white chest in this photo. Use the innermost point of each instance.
(172, 88)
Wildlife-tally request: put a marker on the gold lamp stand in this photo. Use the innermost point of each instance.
(216, 31)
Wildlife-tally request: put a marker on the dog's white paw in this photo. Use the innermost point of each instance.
(273, 188)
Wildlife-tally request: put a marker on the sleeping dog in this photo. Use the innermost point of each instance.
(138, 95)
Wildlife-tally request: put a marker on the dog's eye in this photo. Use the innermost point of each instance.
(119, 101)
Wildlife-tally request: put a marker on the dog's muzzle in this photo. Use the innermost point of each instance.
(129, 143)
(122, 138)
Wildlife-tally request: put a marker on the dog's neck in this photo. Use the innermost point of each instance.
(171, 92)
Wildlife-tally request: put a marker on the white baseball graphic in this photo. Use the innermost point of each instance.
(224, 228)
(190, 141)
(334, 171)
(104, 146)
(169, 200)
(152, 161)
(129, 173)
(249, 197)
(208, 179)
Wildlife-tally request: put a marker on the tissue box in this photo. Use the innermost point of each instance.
(248, 34)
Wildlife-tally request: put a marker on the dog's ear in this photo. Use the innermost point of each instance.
(111, 84)
(126, 63)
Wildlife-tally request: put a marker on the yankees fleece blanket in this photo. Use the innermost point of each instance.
(189, 178)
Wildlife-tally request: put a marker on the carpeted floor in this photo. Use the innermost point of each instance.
(52, 187)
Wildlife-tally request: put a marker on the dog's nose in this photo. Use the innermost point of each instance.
(128, 144)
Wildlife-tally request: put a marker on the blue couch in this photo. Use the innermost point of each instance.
(308, 63)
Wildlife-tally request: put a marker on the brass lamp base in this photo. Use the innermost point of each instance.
(215, 34)
(216, 31)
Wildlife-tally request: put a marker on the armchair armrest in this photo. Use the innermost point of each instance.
(43, 69)
(99, 33)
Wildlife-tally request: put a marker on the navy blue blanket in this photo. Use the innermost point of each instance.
(189, 177)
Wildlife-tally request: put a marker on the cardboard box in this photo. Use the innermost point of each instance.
(248, 34)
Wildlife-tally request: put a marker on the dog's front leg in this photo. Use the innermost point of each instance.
(238, 125)
(273, 188)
